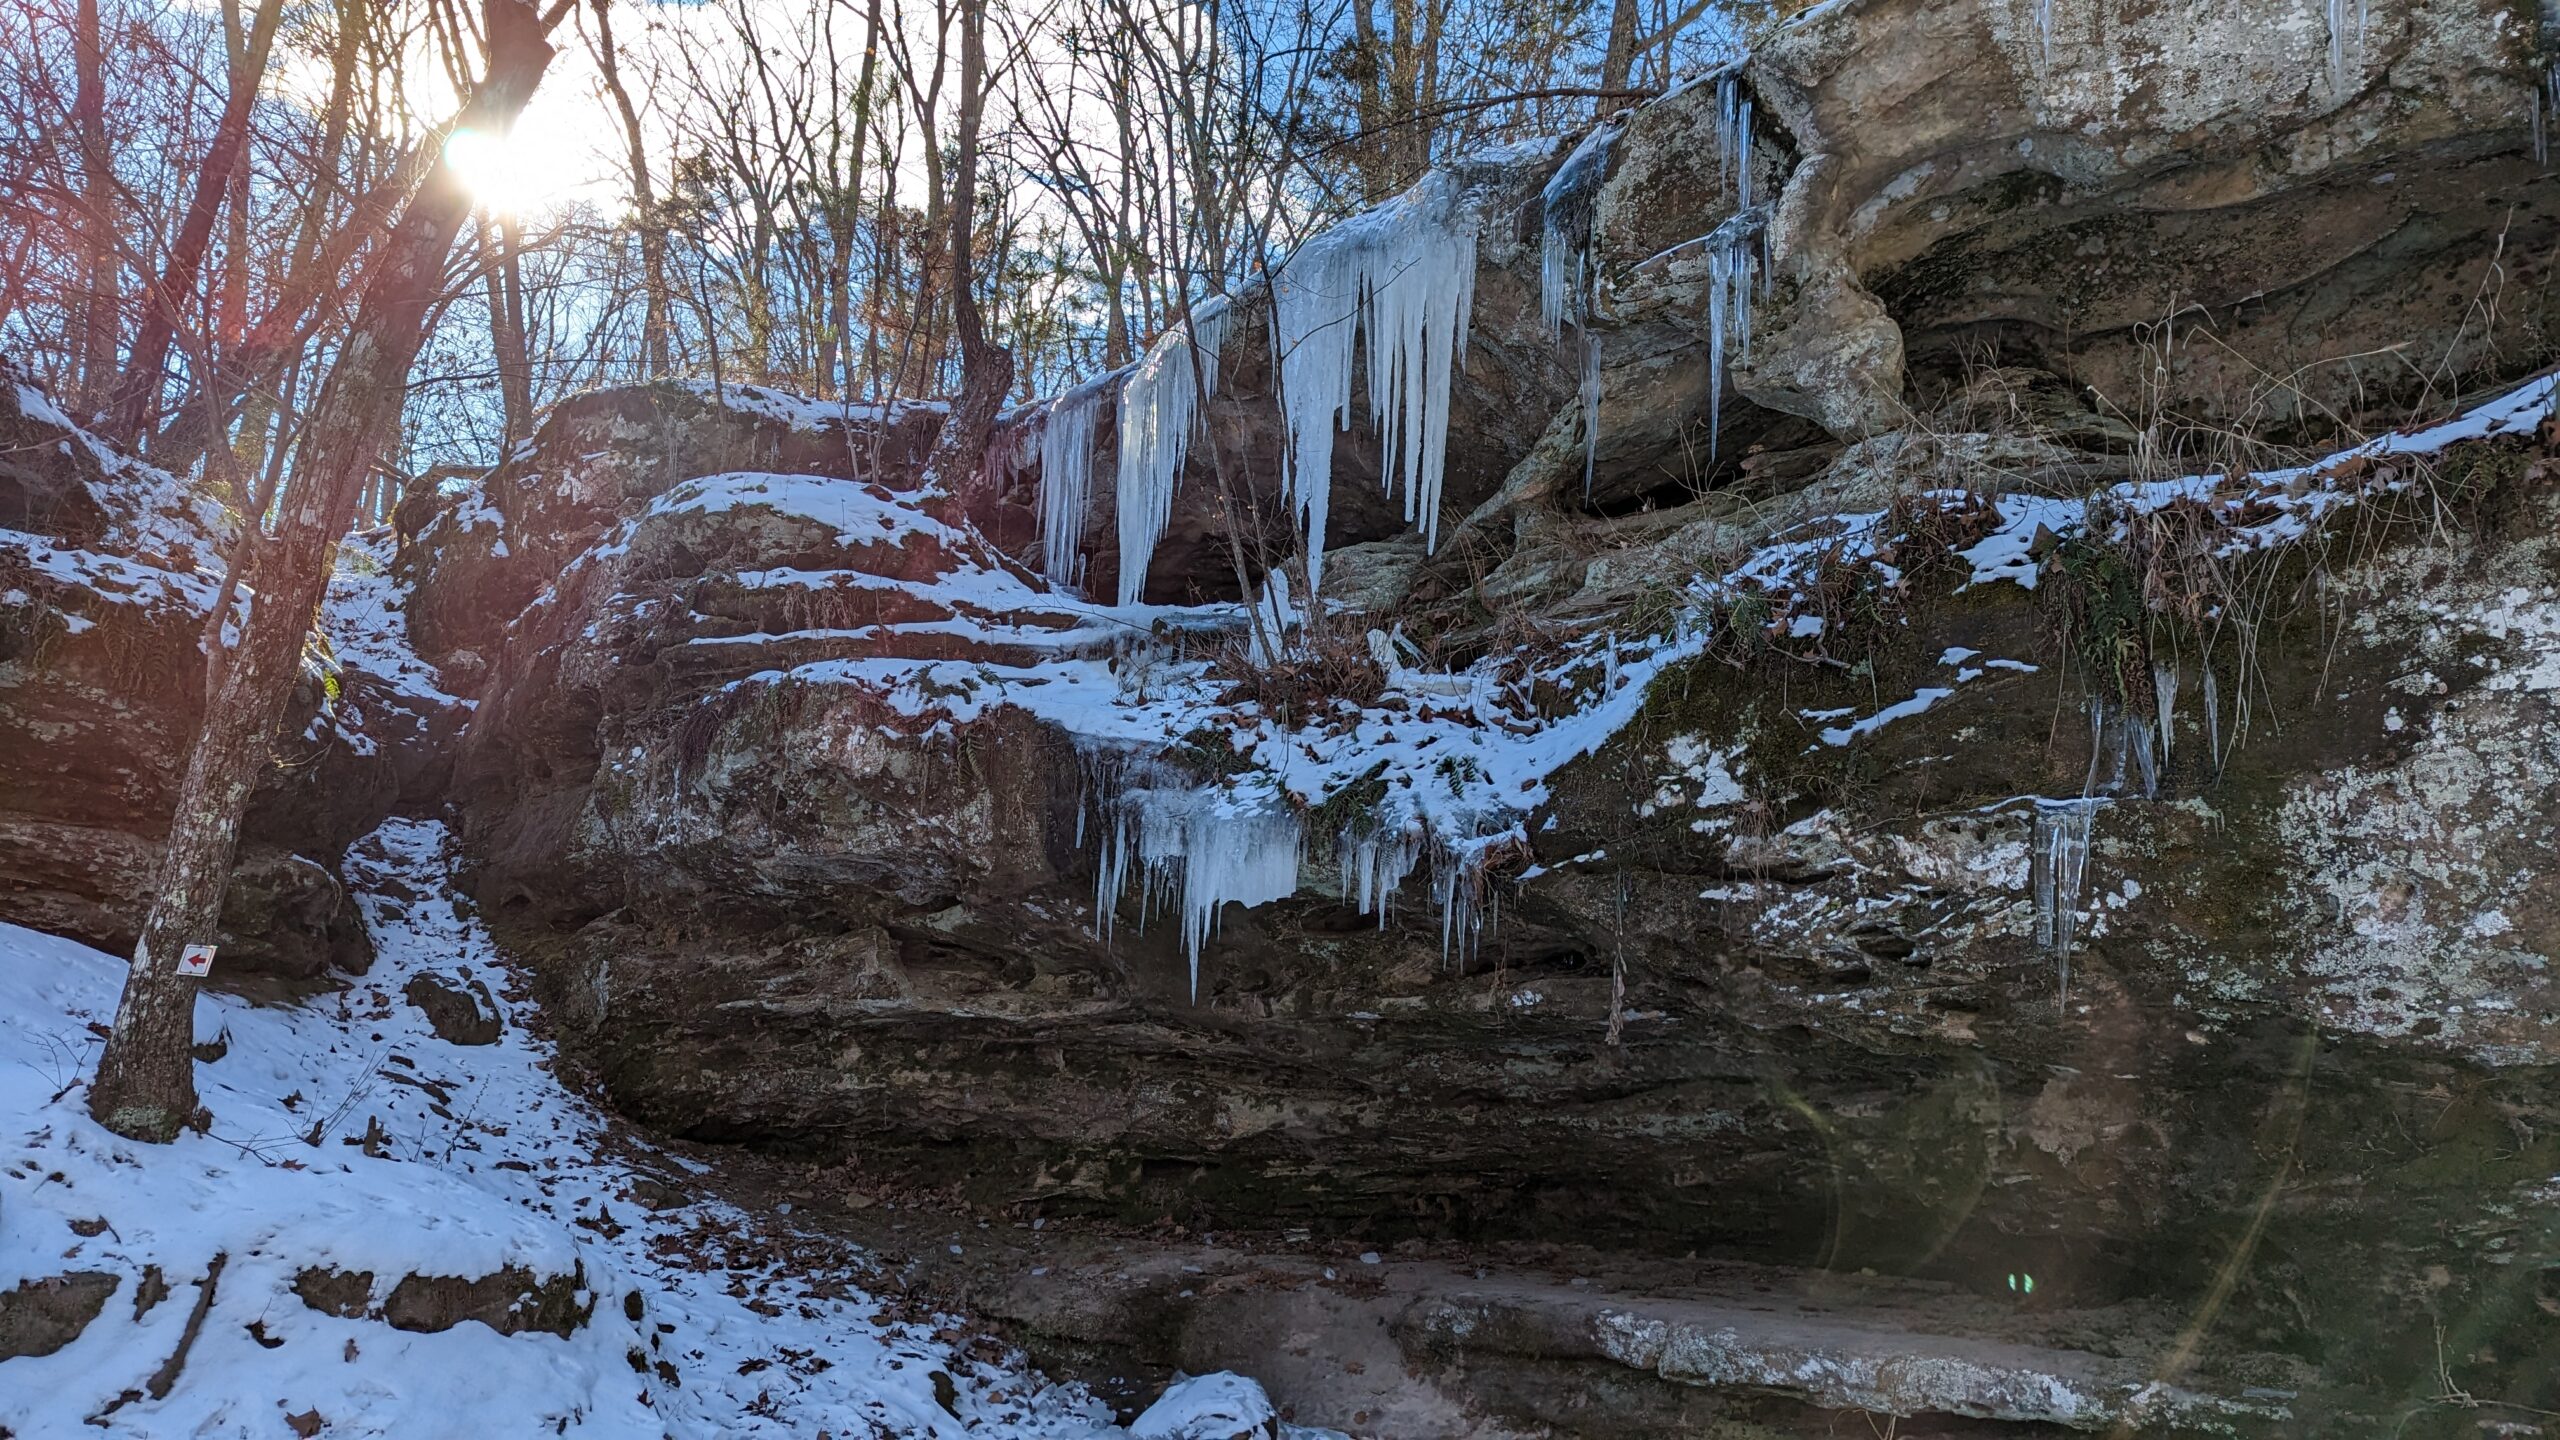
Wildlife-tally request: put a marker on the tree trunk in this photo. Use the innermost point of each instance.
(1618, 61)
(98, 203)
(130, 413)
(145, 1087)
(644, 203)
(505, 284)
(986, 368)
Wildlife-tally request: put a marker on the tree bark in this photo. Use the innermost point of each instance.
(644, 202)
(145, 1086)
(130, 413)
(100, 324)
(986, 368)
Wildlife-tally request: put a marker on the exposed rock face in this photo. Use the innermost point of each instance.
(496, 545)
(2055, 192)
(102, 603)
(42, 1316)
(1771, 978)
(511, 1301)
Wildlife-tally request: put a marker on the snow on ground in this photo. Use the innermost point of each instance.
(706, 1321)
(367, 621)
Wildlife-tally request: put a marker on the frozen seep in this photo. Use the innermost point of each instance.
(1159, 407)
(1195, 847)
(1734, 266)
(2059, 860)
(1066, 481)
(1402, 275)
(1567, 285)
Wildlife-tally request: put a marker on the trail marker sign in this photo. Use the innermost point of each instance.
(196, 960)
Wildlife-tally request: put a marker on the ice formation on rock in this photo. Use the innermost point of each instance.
(1402, 276)
(1736, 261)
(1733, 133)
(2060, 861)
(1566, 283)
(1194, 847)
(1159, 406)
(1733, 269)
(1066, 481)
(1564, 244)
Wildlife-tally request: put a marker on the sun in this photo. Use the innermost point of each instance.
(492, 167)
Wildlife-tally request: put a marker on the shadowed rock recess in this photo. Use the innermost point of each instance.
(1959, 759)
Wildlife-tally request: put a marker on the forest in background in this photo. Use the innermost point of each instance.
(821, 198)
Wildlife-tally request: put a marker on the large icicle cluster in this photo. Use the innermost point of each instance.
(1402, 276)
(1066, 481)
(1159, 407)
(1195, 847)
(1566, 284)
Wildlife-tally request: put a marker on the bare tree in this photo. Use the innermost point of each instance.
(145, 1086)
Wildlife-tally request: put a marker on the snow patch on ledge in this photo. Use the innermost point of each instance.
(1447, 766)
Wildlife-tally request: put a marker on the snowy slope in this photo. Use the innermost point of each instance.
(706, 1322)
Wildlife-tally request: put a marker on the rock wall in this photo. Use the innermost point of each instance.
(107, 574)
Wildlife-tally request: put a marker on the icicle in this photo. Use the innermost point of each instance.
(2164, 703)
(2138, 741)
(1196, 847)
(1590, 392)
(1375, 864)
(1466, 902)
(1733, 134)
(1159, 405)
(1733, 265)
(2212, 718)
(1066, 481)
(2546, 107)
(2044, 27)
(1564, 249)
(1404, 276)
(1566, 284)
(2060, 861)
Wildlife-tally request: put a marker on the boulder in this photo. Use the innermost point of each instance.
(41, 1316)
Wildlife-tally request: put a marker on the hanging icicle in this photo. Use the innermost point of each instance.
(1402, 275)
(1733, 134)
(1567, 282)
(1735, 266)
(1066, 481)
(2546, 108)
(1564, 245)
(2059, 859)
(1159, 405)
(1194, 848)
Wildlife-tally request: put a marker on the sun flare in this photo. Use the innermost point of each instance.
(493, 168)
